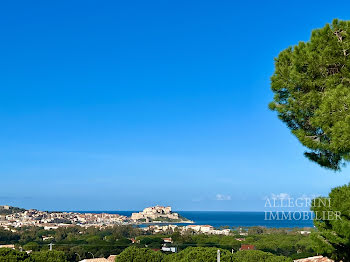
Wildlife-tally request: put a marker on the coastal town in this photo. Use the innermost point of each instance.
(53, 220)
(11, 217)
(156, 219)
(158, 228)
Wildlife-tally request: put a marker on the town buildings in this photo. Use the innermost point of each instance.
(15, 217)
(54, 220)
(199, 229)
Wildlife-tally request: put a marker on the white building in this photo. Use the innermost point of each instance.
(200, 228)
(169, 249)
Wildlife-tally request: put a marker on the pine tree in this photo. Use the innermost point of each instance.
(333, 223)
(311, 84)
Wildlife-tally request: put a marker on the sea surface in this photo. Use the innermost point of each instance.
(228, 218)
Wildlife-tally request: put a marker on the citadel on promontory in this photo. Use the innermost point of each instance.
(159, 214)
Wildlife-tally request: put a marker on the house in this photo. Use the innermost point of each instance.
(7, 246)
(225, 232)
(200, 228)
(47, 238)
(48, 227)
(247, 247)
(167, 240)
(305, 232)
(206, 228)
(315, 259)
(240, 239)
(169, 249)
(133, 240)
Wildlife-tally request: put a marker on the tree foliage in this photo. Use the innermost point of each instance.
(31, 246)
(49, 256)
(258, 256)
(134, 254)
(197, 254)
(9, 255)
(311, 84)
(77, 242)
(333, 236)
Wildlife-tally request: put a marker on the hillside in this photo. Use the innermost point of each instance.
(7, 210)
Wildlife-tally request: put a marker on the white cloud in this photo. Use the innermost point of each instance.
(310, 196)
(282, 196)
(221, 197)
(278, 196)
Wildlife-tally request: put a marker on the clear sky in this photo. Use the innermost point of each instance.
(117, 105)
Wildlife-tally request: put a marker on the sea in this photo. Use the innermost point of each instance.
(231, 219)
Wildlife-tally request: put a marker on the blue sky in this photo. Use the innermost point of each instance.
(117, 105)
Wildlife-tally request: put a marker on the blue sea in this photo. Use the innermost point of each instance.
(228, 218)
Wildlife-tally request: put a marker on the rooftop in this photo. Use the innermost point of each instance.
(315, 259)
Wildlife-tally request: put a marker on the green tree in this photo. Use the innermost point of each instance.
(31, 246)
(152, 242)
(256, 230)
(9, 255)
(311, 84)
(134, 254)
(49, 256)
(258, 256)
(7, 236)
(199, 254)
(333, 236)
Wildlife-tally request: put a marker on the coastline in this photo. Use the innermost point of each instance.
(226, 218)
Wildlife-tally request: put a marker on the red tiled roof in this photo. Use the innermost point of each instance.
(247, 247)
